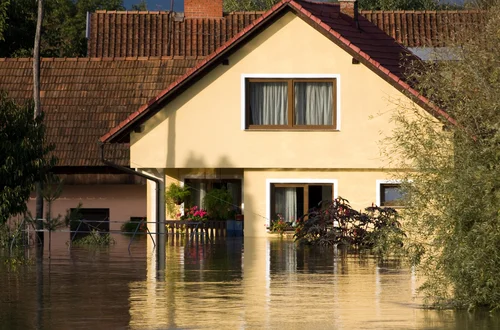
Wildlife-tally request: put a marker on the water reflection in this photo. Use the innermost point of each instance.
(228, 284)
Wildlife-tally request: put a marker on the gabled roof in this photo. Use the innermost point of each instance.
(425, 28)
(163, 33)
(368, 44)
(84, 98)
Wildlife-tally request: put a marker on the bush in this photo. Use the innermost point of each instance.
(337, 223)
(130, 227)
(452, 218)
(218, 203)
(95, 238)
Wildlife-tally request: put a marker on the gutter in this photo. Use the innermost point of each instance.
(142, 175)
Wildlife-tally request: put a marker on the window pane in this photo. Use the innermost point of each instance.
(313, 103)
(269, 103)
(289, 202)
(392, 195)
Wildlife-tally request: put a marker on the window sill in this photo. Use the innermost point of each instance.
(292, 130)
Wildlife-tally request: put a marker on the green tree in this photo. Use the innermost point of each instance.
(140, 6)
(3, 17)
(23, 155)
(453, 215)
(251, 5)
(398, 4)
(248, 5)
(64, 26)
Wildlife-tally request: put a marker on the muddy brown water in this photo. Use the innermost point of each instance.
(227, 284)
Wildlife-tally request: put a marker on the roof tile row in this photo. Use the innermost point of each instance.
(84, 99)
(116, 34)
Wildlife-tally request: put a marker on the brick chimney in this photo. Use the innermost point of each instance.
(203, 8)
(349, 8)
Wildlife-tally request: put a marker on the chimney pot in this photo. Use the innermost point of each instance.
(349, 8)
(203, 9)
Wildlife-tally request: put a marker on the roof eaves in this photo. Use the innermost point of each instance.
(118, 131)
(376, 66)
(354, 50)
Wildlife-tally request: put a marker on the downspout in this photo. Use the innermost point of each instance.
(142, 175)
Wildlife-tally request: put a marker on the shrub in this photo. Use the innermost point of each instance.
(130, 227)
(95, 238)
(337, 223)
(218, 203)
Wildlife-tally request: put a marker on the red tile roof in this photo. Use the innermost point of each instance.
(425, 28)
(84, 98)
(369, 45)
(134, 33)
(148, 33)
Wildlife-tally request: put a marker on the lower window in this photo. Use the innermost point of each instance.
(391, 195)
(293, 200)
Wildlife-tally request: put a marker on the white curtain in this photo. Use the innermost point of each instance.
(313, 103)
(269, 103)
(286, 203)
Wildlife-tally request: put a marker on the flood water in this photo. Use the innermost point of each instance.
(228, 284)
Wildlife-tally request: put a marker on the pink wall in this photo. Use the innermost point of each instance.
(124, 201)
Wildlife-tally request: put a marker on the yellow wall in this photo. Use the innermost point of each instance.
(359, 187)
(202, 127)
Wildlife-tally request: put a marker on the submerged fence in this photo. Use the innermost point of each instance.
(174, 229)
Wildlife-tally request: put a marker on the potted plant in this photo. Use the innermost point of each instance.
(218, 203)
(177, 194)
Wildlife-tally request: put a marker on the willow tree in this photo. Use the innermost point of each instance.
(453, 214)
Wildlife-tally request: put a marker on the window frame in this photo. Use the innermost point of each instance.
(294, 183)
(246, 79)
(379, 186)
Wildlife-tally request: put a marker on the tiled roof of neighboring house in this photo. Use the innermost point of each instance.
(369, 45)
(425, 28)
(84, 98)
(135, 33)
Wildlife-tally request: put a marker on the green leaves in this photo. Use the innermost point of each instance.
(63, 27)
(23, 155)
(453, 219)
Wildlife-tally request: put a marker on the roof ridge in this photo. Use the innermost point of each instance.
(102, 59)
(245, 12)
(303, 8)
(403, 11)
(124, 12)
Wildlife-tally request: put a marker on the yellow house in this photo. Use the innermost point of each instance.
(287, 113)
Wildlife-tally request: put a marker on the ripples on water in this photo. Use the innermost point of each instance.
(258, 284)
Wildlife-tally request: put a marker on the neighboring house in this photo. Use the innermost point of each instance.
(288, 112)
(163, 33)
(82, 99)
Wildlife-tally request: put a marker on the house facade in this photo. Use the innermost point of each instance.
(289, 112)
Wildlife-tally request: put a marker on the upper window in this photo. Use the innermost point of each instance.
(291, 103)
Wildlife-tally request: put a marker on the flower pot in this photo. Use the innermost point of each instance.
(177, 201)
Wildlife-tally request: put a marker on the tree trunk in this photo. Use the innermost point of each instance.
(38, 112)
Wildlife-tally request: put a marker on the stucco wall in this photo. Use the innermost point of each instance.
(359, 187)
(123, 201)
(202, 127)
